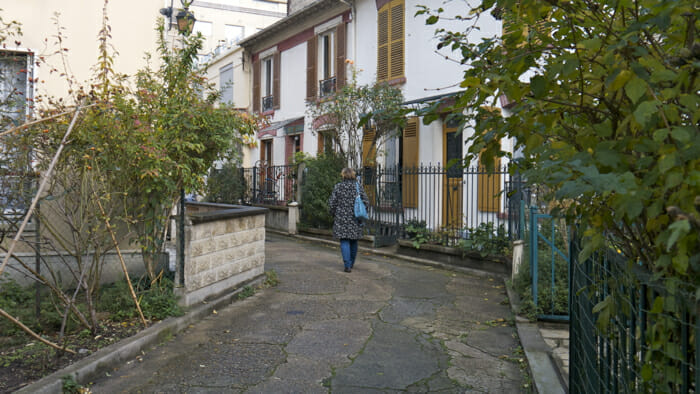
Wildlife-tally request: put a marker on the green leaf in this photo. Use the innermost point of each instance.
(682, 134)
(666, 162)
(538, 85)
(658, 305)
(620, 80)
(635, 89)
(678, 229)
(432, 19)
(645, 111)
(647, 372)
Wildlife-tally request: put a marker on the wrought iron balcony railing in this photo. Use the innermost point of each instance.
(327, 87)
(268, 103)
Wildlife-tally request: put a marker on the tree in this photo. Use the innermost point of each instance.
(604, 109)
(343, 117)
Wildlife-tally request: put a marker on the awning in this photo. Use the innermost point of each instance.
(293, 125)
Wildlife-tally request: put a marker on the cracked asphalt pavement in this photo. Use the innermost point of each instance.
(388, 326)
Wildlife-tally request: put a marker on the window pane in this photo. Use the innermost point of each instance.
(226, 83)
(234, 33)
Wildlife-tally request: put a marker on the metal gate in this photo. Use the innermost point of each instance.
(383, 187)
(544, 237)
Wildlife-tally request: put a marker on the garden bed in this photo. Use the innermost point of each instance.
(455, 256)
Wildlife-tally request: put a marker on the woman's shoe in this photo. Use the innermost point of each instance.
(347, 269)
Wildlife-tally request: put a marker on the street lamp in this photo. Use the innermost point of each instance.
(184, 17)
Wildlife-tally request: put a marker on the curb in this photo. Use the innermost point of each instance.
(389, 253)
(117, 353)
(543, 370)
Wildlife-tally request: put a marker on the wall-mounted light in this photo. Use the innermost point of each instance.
(185, 18)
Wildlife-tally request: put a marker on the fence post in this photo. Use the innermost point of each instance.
(292, 217)
(533, 252)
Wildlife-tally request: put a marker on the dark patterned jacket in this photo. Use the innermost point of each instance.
(341, 204)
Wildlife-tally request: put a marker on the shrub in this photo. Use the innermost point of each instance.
(486, 239)
(321, 175)
(226, 185)
(157, 300)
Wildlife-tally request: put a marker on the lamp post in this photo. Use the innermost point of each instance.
(185, 22)
(185, 18)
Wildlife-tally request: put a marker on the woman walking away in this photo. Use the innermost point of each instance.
(346, 227)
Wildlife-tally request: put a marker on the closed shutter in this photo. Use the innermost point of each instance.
(369, 159)
(383, 44)
(256, 86)
(340, 56)
(409, 181)
(390, 41)
(396, 62)
(311, 76)
(276, 80)
(489, 187)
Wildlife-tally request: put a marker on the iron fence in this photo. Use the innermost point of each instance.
(445, 204)
(631, 332)
(269, 185)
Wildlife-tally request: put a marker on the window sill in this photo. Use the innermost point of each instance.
(394, 82)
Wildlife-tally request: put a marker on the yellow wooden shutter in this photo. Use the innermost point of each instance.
(383, 44)
(409, 181)
(396, 61)
(489, 187)
(369, 159)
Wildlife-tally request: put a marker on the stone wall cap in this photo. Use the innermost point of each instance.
(223, 211)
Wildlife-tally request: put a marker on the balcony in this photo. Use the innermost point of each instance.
(327, 87)
(268, 103)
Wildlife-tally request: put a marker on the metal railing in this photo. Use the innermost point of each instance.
(643, 336)
(327, 87)
(269, 185)
(445, 204)
(268, 103)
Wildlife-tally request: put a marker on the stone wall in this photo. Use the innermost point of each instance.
(224, 247)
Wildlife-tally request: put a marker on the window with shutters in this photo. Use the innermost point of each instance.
(326, 62)
(390, 41)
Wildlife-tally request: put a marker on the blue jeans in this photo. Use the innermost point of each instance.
(348, 248)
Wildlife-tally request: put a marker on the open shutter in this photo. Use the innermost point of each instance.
(276, 80)
(409, 180)
(396, 62)
(311, 75)
(256, 86)
(340, 58)
(489, 187)
(383, 44)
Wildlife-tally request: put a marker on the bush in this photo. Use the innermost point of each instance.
(157, 300)
(321, 175)
(226, 185)
(486, 239)
(20, 302)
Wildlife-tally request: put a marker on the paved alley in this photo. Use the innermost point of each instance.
(388, 326)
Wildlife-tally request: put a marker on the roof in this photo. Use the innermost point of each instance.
(292, 20)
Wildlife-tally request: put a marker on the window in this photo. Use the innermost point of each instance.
(326, 61)
(266, 83)
(202, 27)
(226, 83)
(14, 87)
(266, 152)
(390, 41)
(268, 72)
(234, 33)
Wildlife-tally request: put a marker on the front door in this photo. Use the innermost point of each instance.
(452, 195)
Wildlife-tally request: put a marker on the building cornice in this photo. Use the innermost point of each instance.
(298, 18)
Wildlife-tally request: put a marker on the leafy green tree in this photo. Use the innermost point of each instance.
(604, 112)
(344, 115)
(604, 108)
(320, 176)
